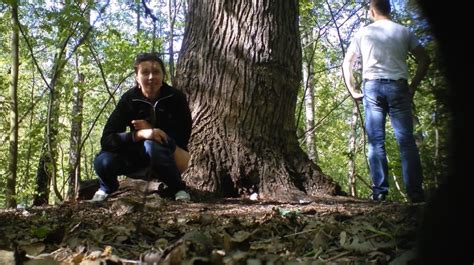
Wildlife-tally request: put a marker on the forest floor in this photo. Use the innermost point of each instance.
(329, 230)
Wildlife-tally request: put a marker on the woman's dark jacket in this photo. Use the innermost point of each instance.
(169, 113)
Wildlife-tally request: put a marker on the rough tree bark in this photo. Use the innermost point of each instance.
(240, 65)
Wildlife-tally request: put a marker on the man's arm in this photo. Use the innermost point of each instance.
(347, 72)
(423, 61)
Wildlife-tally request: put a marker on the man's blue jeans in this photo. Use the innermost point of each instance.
(136, 156)
(382, 97)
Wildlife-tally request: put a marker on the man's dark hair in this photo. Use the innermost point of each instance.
(381, 6)
(149, 56)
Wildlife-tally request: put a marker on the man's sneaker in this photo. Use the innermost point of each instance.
(182, 196)
(99, 196)
(378, 197)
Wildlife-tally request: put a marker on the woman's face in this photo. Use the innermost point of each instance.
(150, 77)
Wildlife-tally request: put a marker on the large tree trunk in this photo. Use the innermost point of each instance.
(240, 65)
(10, 198)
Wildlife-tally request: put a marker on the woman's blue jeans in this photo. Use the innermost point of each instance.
(136, 156)
(392, 97)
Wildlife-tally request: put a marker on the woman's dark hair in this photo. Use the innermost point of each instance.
(382, 6)
(149, 56)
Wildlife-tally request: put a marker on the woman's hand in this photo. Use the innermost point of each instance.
(159, 136)
(141, 124)
(154, 134)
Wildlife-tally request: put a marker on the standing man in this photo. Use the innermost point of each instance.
(384, 46)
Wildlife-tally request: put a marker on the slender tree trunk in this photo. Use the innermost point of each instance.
(352, 153)
(75, 138)
(30, 126)
(308, 81)
(240, 65)
(47, 169)
(138, 3)
(13, 153)
(74, 167)
(309, 112)
(171, 20)
(436, 148)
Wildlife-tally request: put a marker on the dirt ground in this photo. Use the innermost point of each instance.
(328, 230)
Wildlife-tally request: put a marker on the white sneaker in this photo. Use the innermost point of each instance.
(182, 196)
(99, 196)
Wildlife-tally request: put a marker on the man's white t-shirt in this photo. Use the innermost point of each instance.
(384, 47)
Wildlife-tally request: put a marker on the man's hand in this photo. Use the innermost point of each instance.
(357, 95)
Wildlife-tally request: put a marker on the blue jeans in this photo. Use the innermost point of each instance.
(382, 97)
(136, 156)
